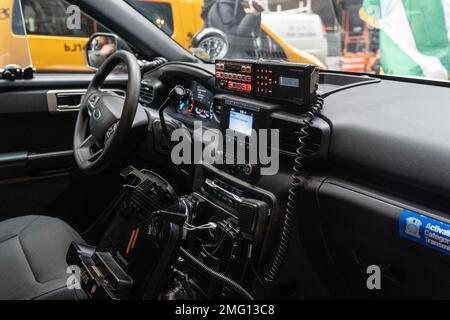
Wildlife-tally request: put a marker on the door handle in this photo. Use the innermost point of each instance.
(59, 100)
(67, 97)
(66, 107)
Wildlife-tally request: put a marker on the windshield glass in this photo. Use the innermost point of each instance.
(14, 48)
(395, 37)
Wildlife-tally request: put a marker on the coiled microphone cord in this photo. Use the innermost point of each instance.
(297, 179)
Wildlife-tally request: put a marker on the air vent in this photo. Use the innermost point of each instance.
(217, 108)
(290, 134)
(146, 95)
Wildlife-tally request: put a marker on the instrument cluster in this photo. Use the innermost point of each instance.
(197, 102)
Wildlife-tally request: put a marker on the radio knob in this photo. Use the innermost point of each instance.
(249, 169)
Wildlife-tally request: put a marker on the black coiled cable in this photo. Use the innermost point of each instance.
(297, 179)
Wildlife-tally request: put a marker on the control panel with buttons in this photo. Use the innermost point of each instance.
(293, 83)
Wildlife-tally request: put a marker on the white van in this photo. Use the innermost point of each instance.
(301, 28)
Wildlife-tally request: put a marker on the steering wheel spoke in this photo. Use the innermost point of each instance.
(89, 150)
(94, 155)
(91, 102)
(88, 142)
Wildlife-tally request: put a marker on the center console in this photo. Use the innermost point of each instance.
(241, 122)
(221, 224)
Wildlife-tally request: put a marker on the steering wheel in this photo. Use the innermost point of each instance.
(105, 119)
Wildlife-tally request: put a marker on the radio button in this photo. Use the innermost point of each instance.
(249, 169)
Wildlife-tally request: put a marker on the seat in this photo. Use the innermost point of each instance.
(33, 258)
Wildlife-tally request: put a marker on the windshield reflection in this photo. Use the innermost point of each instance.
(397, 37)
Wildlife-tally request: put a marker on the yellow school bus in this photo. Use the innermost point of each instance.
(55, 47)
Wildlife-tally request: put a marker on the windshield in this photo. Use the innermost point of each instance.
(396, 37)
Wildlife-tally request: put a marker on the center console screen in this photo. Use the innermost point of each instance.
(241, 121)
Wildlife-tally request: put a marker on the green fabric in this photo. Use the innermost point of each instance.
(428, 25)
(395, 61)
(427, 22)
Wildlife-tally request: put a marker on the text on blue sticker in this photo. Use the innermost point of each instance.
(427, 231)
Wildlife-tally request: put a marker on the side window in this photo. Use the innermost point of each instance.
(159, 13)
(49, 18)
(52, 35)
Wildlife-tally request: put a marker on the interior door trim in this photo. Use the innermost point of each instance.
(52, 99)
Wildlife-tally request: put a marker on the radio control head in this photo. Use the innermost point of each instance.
(292, 83)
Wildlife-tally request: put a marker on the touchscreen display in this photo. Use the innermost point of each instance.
(241, 121)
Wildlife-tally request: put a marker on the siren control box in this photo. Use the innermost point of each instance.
(291, 83)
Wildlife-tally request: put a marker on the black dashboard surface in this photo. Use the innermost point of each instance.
(393, 128)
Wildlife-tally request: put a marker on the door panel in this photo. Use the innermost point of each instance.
(37, 169)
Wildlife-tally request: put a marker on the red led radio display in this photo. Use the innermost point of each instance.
(289, 83)
(235, 76)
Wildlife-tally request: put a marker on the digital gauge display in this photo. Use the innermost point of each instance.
(198, 101)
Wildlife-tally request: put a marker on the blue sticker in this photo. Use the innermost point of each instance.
(429, 232)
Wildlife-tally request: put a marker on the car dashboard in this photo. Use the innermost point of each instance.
(342, 181)
(348, 151)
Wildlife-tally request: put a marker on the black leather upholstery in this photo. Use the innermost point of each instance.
(33, 258)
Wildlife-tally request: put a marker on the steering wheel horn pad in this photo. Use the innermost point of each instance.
(106, 112)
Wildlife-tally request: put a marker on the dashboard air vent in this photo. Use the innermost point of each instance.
(217, 108)
(146, 95)
(289, 135)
